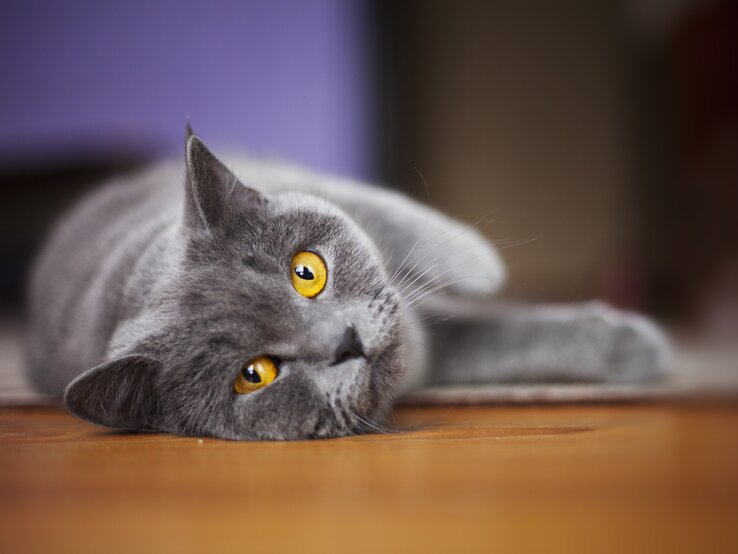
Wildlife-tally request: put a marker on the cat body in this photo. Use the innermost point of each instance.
(152, 297)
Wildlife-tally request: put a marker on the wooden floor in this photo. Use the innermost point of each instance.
(587, 479)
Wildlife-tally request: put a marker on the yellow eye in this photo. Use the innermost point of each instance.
(256, 374)
(308, 273)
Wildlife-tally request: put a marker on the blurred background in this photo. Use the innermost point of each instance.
(600, 137)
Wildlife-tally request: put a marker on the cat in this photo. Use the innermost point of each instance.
(252, 300)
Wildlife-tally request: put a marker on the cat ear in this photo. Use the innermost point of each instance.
(212, 191)
(119, 393)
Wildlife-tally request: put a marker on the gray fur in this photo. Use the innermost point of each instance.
(153, 293)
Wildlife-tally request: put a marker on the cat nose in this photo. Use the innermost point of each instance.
(349, 347)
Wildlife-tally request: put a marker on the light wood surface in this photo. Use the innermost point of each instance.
(483, 479)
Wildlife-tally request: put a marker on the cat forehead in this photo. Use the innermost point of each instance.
(306, 210)
(295, 202)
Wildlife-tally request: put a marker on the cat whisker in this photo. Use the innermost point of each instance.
(518, 242)
(425, 286)
(407, 272)
(426, 295)
(400, 267)
(404, 285)
(462, 229)
(425, 225)
(410, 284)
(429, 281)
(371, 426)
(415, 301)
(437, 322)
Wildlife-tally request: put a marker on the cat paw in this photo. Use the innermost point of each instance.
(464, 263)
(478, 268)
(635, 349)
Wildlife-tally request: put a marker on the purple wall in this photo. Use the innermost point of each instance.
(278, 77)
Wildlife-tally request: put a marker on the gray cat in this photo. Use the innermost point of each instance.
(252, 300)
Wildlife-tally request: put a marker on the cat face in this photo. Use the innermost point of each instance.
(337, 354)
(278, 324)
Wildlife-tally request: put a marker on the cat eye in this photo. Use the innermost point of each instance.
(255, 375)
(309, 273)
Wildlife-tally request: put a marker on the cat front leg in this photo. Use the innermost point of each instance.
(589, 342)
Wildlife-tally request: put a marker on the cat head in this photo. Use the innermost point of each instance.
(275, 321)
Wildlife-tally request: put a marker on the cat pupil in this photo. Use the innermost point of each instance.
(303, 272)
(250, 375)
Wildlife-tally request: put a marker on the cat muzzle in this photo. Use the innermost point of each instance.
(350, 346)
